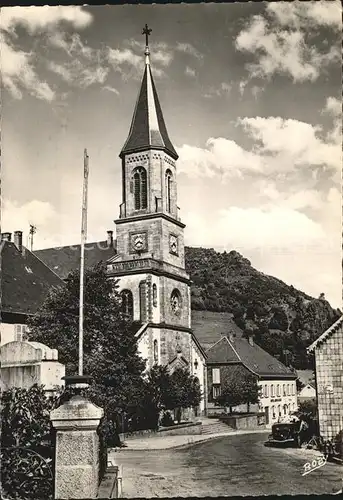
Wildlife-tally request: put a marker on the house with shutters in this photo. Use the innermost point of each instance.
(233, 356)
(25, 282)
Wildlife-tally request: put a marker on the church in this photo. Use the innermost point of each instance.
(148, 252)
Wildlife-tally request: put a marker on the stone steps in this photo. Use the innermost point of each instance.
(214, 427)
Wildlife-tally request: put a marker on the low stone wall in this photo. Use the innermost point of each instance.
(190, 428)
(247, 421)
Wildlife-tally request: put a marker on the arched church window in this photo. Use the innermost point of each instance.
(155, 351)
(169, 181)
(154, 295)
(127, 302)
(140, 188)
(143, 301)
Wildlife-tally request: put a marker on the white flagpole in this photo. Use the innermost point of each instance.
(82, 259)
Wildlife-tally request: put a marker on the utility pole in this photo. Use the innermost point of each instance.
(82, 257)
(33, 230)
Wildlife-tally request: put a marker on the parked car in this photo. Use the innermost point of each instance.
(285, 434)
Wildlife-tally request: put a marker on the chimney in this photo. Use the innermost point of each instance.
(18, 240)
(6, 236)
(251, 340)
(110, 239)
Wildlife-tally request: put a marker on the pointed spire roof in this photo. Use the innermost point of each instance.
(148, 129)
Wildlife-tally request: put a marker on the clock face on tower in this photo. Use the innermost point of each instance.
(138, 242)
(173, 244)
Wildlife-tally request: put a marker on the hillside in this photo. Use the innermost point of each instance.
(283, 320)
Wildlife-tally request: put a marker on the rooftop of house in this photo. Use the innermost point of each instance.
(233, 350)
(25, 279)
(63, 260)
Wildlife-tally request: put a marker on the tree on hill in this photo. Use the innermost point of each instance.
(110, 348)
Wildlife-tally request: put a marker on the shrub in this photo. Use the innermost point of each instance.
(27, 444)
(167, 420)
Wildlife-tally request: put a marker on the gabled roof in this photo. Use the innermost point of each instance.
(148, 129)
(326, 335)
(25, 280)
(256, 359)
(63, 260)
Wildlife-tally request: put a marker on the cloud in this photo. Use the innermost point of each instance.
(126, 56)
(17, 66)
(111, 89)
(279, 240)
(307, 14)
(190, 72)
(291, 140)
(280, 41)
(333, 106)
(221, 157)
(280, 147)
(18, 73)
(45, 17)
(187, 48)
(223, 90)
(19, 217)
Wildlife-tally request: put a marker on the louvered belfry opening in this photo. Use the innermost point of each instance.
(140, 188)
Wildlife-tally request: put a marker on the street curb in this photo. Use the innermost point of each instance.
(185, 445)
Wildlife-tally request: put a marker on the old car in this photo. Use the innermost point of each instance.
(285, 434)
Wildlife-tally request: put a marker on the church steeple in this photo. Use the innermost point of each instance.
(148, 129)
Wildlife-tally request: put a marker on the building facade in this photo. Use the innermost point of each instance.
(307, 393)
(328, 350)
(234, 357)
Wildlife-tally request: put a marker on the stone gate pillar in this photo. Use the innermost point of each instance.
(77, 448)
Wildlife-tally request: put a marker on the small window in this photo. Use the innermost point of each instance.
(127, 302)
(169, 177)
(20, 331)
(288, 391)
(266, 390)
(216, 391)
(293, 389)
(278, 390)
(140, 188)
(272, 390)
(216, 375)
(155, 351)
(284, 389)
(154, 295)
(273, 412)
(279, 410)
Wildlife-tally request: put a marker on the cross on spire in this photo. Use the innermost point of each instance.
(146, 31)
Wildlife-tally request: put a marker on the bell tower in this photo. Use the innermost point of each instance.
(150, 260)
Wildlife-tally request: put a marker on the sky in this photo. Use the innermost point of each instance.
(251, 96)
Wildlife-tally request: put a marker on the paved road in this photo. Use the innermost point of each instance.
(235, 465)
